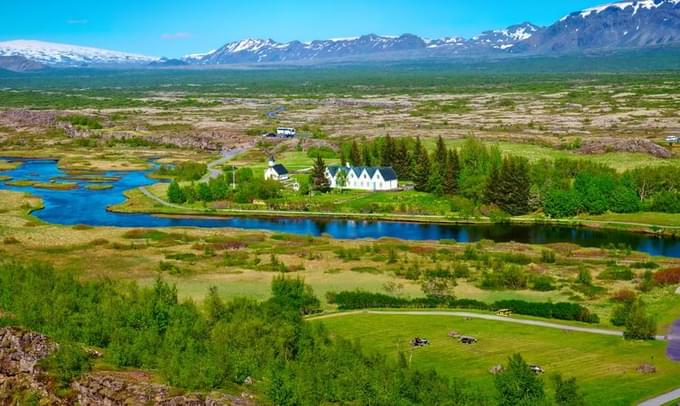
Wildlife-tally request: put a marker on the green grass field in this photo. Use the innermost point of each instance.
(604, 366)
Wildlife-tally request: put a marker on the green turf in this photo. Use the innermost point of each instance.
(604, 366)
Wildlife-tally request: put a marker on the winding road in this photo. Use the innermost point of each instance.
(226, 156)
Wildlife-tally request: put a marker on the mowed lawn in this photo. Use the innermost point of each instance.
(604, 366)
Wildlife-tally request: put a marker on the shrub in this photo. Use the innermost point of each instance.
(617, 273)
(548, 256)
(560, 203)
(667, 276)
(69, 362)
(619, 315)
(639, 324)
(323, 152)
(623, 296)
(560, 311)
(543, 283)
(644, 265)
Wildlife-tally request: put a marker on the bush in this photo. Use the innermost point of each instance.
(354, 300)
(543, 283)
(616, 273)
(560, 311)
(639, 324)
(562, 203)
(186, 171)
(619, 315)
(666, 202)
(667, 276)
(548, 256)
(83, 121)
(623, 296)
(69, 362)
(323, 152)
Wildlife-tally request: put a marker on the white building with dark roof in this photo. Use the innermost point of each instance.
(371, 178)
(275, 171)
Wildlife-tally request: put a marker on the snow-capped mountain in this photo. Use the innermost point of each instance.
(372, 45)
(630, 24)
(54, 54)
(260, 50)
(621, 25)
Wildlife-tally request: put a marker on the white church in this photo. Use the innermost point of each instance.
(370, 178)
(275, 171)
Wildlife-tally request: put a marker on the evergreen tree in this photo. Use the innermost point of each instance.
(402, 160)
(493, 188)
(440, 157)
(387, 155)
(518, 385)
(421, 173)
(452, 172)
(367, 158)
(509, 186)
(175, 194)
(319, 180)
(354, 154)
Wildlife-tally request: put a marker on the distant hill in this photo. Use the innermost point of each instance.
(629, 25)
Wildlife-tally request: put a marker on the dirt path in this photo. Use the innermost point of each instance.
(157, 199)
(526, 322)
(662, 399)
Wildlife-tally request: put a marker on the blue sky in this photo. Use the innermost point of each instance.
(177, 27)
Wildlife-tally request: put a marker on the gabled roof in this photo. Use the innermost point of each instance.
(280, 169)
(386, 172)
(334, 169)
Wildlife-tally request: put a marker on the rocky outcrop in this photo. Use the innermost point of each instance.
(21, 350)
(21, 374)
(601, 146)
(20, 353)
(109, 389)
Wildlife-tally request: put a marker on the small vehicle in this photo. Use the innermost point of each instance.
(468, 340)
(420, 342)
(536, 369)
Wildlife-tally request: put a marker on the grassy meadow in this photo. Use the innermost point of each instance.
(605, 367)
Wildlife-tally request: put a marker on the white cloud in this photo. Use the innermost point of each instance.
(177, 35)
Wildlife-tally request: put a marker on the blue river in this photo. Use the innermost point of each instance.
(83, 206)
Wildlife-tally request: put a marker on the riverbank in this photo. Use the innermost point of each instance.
(151, 203)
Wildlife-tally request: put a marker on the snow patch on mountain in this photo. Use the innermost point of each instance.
(68, 55)
(635, 7)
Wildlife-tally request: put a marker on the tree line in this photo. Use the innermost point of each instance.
(218, 344)
(479, 173)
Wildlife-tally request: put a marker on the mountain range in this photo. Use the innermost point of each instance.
(614, 26)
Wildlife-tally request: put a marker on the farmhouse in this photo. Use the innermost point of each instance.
(275, 171)
(362, 177)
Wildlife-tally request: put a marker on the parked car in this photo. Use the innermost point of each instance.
(536, 369)
(420, 342)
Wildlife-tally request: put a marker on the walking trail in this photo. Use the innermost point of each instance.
(526, 322)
